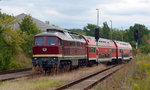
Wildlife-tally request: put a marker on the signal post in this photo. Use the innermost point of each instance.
(97, 33)
(136, 39)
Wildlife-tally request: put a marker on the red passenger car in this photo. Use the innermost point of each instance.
(123, 51)
(105, 51)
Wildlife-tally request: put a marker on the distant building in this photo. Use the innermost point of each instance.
(148, 41)
(41, 25)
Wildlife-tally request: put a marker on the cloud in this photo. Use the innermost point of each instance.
(11, 10)
(126, 7)
(77, 13)
(51, 12)
(30, 5)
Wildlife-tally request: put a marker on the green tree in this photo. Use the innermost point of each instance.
(106, 31)
(90, 29)
(117, 34)
(129, 34)
(78, 31)
(29, 30)
(28, 26)
(145, 38)
(10, 41)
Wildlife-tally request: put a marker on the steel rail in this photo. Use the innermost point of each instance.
(83, 78)
(101, 79)
(14, 71)
(12, 78)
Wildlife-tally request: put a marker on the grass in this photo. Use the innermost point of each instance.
(135, 76)
(19, 61)
(38, 84)
(48, 82)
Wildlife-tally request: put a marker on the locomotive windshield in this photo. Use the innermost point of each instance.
(39, 41)
(45, 41)
(51, 41)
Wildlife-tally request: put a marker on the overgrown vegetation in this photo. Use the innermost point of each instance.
(38, 84)
(48, 82)
(15, 42)
(135, 76)
(141, 77)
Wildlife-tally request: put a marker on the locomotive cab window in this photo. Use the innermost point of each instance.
(39, 41)
(51, 41)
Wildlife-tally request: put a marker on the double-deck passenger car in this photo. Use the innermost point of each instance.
(123, 51)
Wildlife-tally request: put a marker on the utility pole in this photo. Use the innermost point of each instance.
(111, 28)
(122, 33)
(97, 17)
(97, 35)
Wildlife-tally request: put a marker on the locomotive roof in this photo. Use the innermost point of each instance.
(63, 34)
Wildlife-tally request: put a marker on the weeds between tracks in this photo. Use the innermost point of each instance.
(54, 80)
(135, 76)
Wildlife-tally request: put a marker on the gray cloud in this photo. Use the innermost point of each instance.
(77, 13)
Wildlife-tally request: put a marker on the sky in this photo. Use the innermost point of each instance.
(71, 14)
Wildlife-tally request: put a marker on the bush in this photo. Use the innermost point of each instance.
(10, 41)
(145, 49)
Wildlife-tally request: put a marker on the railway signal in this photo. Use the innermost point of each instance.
(136, 35)
(136, 39)
(97, 34)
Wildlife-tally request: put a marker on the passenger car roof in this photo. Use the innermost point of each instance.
(101, 41)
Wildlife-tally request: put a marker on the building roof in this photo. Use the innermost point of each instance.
(40, 24)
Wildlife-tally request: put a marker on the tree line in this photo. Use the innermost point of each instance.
(120, 35)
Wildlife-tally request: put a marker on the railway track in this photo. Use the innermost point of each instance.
(13, 71)
(87, 82)
(14, 74)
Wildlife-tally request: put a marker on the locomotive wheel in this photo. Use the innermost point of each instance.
(54, 69)
(68, 67)
(65, 66)
(33, 70)
(42, 70)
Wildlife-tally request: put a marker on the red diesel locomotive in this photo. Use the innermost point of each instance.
(61, 49)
